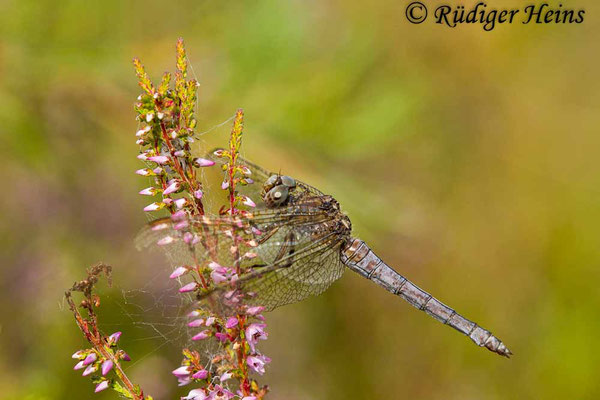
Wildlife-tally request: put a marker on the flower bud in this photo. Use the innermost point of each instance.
(179, 271)
(114, 338)
(106, 367)
(145, 172)
(202, 374)
(159, 159)
(181, 371)
(90, 370)
(202, 335)
(190, 287)
(165, 240)
(231, 323)
(101, 386)
(248, 201)
(172, 188)
(154, 207)
(150, 191)
(90, 359)
(202, 162)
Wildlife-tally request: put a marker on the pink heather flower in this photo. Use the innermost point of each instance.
(219, 153)
(202, 335)
(145, 172)
(114, 338)
(180, 202)
(248, 201)
(79, 365)
(202, 374)
(220, 393)
(256, 231)
(254, 333)
(179, 153)
(178, 272)
(157, 171)
(196, 323)
(140, 141)
(180, 225)
(190, 287)
(210, 321)
(172, 188)
(225, 185)
(148, 191)
(202, 162)
(246, 170)
(249, 398)
(159, 159)
(184, 381)
(178, 215)
(218, 276)
(198, 194)
(154, 206)
(231, 322)
(125, 357)
(149, 117)
(254, 310)
(142, 132)
(106, 366)
(250, 255)
(160, 115)
(142, 156)
(189, 238)
(213, 265)
(193, 314)
(222, 337)
(166, 240)
(90, 359)
(160, 227)
(78, 354)
(196, 394)
(101, 386)
(182, 371)
(227, 375)
(183, 375)
(257, 363)
(90, 370)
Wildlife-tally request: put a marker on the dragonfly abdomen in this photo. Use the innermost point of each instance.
(361, 259)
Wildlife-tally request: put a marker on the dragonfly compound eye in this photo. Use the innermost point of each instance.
(276, 196)
(271, 182)
(289, 182)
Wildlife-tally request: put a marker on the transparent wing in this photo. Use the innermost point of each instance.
(308, 274)
(295, 255)
(259, 176)
(297, 269)
(193, 241)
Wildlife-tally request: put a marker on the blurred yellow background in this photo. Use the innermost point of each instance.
(467, 159)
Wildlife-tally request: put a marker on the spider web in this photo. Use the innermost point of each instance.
(155, 310)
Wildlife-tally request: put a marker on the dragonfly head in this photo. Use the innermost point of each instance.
(276, 190)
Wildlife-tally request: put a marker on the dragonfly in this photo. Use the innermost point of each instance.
(301, 243)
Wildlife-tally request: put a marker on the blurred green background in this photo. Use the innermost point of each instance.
(467, 159)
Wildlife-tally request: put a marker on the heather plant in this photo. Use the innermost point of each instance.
(225, 319)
